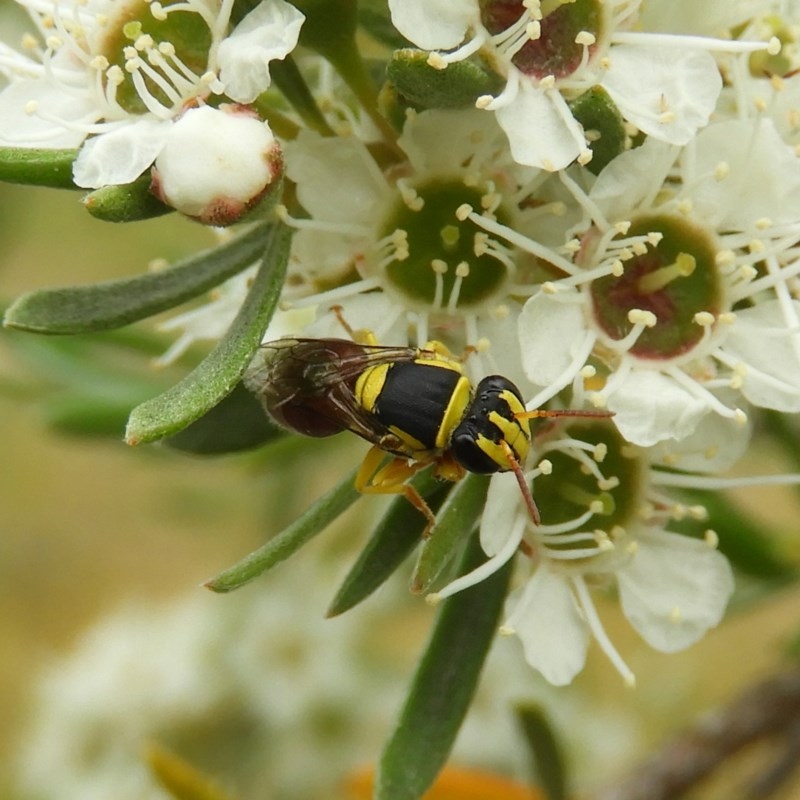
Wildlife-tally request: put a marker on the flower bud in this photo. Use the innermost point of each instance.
(217, 164)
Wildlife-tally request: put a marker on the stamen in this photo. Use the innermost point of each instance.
(683, 266)
(484, 570)
(596, 627)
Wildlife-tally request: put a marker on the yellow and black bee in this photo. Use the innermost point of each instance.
(416, 404)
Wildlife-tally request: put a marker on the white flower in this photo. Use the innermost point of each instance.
(422, 230)
(668, 328)
(100, 73)
(666, 86)
(673, 589)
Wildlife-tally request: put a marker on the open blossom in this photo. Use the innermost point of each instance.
(428, 231)
(607, 519)
(666, 86)
(122, 76)
(682, 287)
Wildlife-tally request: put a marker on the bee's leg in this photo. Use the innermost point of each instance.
(391, 478)
(360, 336)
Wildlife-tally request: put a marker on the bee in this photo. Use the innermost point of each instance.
(414, 404)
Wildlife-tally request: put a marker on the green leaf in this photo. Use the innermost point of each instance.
(112, 304)
(289, 540)
(288, 78)
(458, 86)
(443, 685)
(91, 415)
(455, 521)
(375, 19)
(130, 202)
(598, 114)
(52, 168)
(221, 369)
(548, 758)
(397, 534)
(236, 423)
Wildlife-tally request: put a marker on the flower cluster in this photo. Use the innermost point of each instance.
(598, 200)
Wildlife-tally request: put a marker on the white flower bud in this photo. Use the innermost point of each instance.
(216, 164)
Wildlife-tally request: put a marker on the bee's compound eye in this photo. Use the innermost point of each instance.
(465, 447)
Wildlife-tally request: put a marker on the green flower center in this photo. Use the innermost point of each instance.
(158, 58)
(555, 52)
(573, 486)
(674, 280)
(447, 261)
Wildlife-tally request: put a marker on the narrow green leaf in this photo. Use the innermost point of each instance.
(397, 534)
(236, 423)
(223, 367)
(91, 415)
(443, 685)
(130, 202)
(456, 520)
(288, 78)
(112, 304)
(548, 758)
(289, 540)
(52, 168)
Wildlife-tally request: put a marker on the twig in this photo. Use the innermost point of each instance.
(769, 709)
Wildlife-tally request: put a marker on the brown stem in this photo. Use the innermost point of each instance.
(769, 709)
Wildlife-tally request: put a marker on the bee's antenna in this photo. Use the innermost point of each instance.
(540, 413)
(523, 484)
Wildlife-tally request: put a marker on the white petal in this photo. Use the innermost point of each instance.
(337, 180)
(650, 407)
(434, 24)
(501, 513)
(550, 627)
(737, 200)
(771, 355)
(442, 141)
(20, 129)
(550, 332)
(674, 589)
(120, 156)
(631, 178)
(647, 81)
(715, 446)
(268, 32)
(538, 134)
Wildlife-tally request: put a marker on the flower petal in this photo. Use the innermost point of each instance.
(550, 334)
(500, 513)
(317, 164)
(434, 24)
(674, 589)
(539, 135)
(736, 200)
(667, 92)
(21, 129)
(761, 340)
(650, 407)
(550, 627)
(120, 156)
(269, 31)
